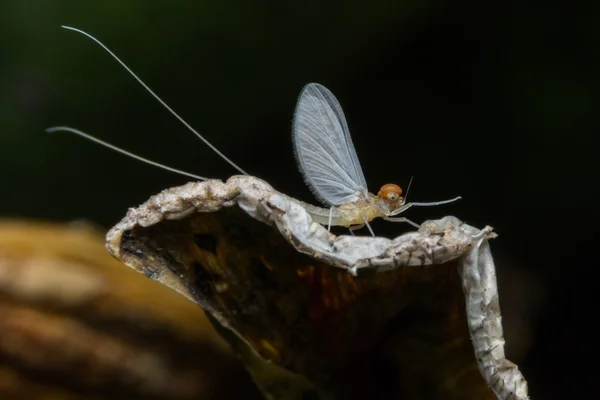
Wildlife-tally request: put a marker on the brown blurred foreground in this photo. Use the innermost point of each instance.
(75, 323)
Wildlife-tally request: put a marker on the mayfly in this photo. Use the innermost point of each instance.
(328, 161)
(325, 155)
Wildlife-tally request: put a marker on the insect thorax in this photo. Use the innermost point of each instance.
(356, 212)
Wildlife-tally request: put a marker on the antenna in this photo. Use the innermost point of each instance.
(408, 187)
(234, 165)
(120, 150)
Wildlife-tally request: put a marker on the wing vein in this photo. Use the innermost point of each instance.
(323, 147)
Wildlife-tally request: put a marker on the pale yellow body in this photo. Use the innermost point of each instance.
(348, 214)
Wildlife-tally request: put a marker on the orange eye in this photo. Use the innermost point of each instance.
(390, 192)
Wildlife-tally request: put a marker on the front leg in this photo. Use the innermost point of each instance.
(401, 219)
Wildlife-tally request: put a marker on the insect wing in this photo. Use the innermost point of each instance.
(324, 149)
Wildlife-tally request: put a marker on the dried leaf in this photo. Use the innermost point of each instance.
(311, 314)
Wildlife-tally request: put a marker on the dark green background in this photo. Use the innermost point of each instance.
(494, 101)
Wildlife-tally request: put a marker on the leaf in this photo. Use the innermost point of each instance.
(283, 292)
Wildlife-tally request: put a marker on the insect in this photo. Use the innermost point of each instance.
(325, 155)
(330, 166)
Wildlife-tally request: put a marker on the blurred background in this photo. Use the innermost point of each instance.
(492, 101)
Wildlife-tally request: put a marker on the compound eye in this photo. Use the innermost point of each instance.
(390, 192)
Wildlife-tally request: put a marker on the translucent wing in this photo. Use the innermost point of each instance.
(324, 149)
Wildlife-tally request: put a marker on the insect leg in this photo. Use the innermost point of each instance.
(330, 216)
(401, 219)
(434, 203)
(368, 226)
(355, 228)
(402, 209)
